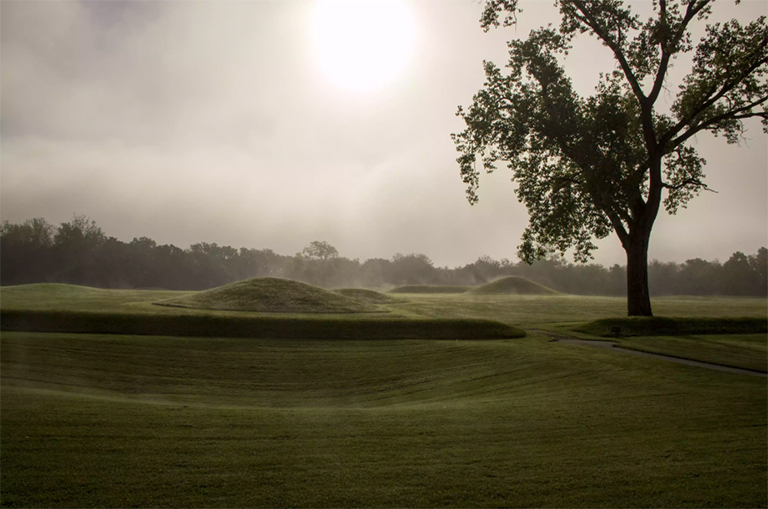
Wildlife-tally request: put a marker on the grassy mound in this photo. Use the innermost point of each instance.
(513, 285)
(430, 289)
(50, 288)
(368, 296)
(254, 326)
(271, 295)
(664, 326)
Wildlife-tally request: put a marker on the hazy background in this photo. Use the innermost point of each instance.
(210, 121)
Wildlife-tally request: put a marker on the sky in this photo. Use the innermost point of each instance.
(236, 122)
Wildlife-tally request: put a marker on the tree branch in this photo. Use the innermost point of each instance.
(737, 114)
(667, 50)
(588, 19)
(689, 182)
(727, 87)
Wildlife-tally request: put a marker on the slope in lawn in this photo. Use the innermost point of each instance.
(673, 326)
(368, 296)
(271, 295)
(430, 289)
(513, 285)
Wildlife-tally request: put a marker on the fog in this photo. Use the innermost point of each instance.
(211, 121)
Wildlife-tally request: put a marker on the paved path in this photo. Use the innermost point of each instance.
(610, 345)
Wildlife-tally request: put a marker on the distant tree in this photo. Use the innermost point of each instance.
(759, 264)
(319, 250)
(700, 277)
(77, 245)
(486, 269)
(374, 271)
(25, 251)
(212, 264)
(411, 269)
(589, 166)
(738, 276)
(663, 278)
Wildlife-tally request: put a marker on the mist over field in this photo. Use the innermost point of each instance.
(190, 122)
(80, 252)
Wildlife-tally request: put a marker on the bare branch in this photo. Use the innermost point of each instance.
(689, 182)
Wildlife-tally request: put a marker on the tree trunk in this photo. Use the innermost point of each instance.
(638, 296)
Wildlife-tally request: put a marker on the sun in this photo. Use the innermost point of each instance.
(360, 45)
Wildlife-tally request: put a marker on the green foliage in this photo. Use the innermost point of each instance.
(588, 165)
(320, 250)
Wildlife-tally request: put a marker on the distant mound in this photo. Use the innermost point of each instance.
(271, 295)
(49, 289)
(513, 285)
(430, 289)
(368, 296)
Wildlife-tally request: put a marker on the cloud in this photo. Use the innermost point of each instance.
(209, 121)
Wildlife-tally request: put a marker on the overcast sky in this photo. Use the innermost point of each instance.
(190, 121)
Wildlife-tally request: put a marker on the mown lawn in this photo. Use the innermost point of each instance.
(95, 420)
(529, 311)
(749, 351)
(92, 420)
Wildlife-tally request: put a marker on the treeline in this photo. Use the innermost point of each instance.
(79, 252)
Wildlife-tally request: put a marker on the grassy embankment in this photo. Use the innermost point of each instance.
(734, 341)
(114, 420)
(301, 311)
(724, 340)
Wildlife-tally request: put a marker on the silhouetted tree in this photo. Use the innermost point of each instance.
(26, 251)
(374, 271)
(738, 277)
(411, 269)
(319, 250)
(76, 250)
(316, 264)
(663, 278)
(699, 277)
(589, 166)
(759, 264)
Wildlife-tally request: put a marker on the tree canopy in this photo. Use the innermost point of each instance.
(587, 166)
(320, 250)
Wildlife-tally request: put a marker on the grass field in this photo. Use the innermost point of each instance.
(95, 420)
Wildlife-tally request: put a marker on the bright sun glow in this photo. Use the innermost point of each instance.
(362, 44)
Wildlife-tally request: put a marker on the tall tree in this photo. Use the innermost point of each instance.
(586, 166)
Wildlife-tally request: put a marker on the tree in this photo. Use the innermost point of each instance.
(76, 247)
(411, 269)
(25, 251)
(586, 166)
(319, 250)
